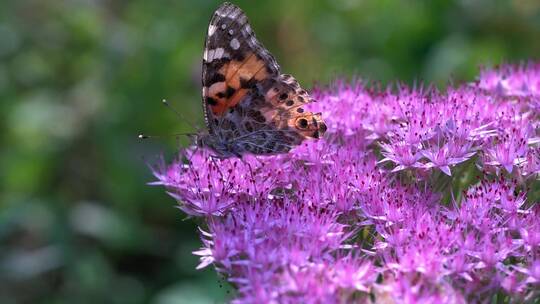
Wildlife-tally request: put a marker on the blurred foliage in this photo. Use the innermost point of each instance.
(79, 79)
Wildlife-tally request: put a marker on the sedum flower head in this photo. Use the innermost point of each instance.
(413, 196)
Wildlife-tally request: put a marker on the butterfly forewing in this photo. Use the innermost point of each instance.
(233, 61)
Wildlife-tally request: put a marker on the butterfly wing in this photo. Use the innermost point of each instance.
(233, 60)
(249, 106)
(276, 119)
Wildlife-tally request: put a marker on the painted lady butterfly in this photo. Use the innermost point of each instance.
(249, 106)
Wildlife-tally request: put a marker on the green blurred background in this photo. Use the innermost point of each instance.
(80, 79)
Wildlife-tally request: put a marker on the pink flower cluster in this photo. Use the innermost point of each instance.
(412, 196)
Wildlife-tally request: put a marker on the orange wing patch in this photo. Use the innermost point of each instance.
(229, 93)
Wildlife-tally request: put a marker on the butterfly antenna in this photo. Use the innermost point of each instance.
(180, 116)
(146, 136)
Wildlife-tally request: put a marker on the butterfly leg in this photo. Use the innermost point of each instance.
(251, 173)
(216, 165)
(260, 165)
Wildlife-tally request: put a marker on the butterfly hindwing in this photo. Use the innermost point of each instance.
(270, 119)
(285, 106)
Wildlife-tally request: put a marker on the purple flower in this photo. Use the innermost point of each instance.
(510, 149)
(353, 273)
(512, 284)
(364, 214)
(510, 80)
(531, 236)
(451, 153)
(402, 154)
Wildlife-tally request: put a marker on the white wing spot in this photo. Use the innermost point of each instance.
(210, 55)
(223, 13)
(218, 53)
(235, 44)
(252, 41)
(223, 26)
(234, 14)
(211, 30)
(231, 32)
(215, 54)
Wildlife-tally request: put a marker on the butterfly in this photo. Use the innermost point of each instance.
(249, 106)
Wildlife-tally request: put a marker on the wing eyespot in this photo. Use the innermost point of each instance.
(302, 123)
